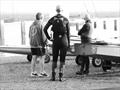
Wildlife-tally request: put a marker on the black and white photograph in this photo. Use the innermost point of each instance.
(59, 44)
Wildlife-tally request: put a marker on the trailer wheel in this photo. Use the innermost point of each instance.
(106, 65)
(29, 57)
(97, 62)
(78, 60)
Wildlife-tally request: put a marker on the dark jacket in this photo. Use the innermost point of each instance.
(85, 33)
(50, 22)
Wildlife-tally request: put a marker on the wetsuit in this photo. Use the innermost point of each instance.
(61, 42)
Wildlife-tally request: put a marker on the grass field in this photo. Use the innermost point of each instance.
(15, 75)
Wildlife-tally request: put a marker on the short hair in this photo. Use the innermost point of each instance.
(39, 16)
(58, 9)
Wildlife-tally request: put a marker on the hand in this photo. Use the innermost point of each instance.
(51, 39)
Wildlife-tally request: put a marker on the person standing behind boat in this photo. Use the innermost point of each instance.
(85, 33)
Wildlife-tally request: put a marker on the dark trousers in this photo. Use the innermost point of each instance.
(59, 47)
(85, 64)
(56, 51)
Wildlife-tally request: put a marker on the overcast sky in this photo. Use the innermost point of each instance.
(48, 6)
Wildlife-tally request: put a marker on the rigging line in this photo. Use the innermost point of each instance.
(94, 8)
(0, 10)
(85, 6)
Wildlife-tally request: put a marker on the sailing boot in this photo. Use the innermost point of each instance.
(53, 76)
(60, 76)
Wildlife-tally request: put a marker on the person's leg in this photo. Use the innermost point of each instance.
(87, 62)
(41, 64)
(41, 54)
(61, 70)
(33, 65)
(82, 66)
(63, 52)
(54, 62)
(54, 66)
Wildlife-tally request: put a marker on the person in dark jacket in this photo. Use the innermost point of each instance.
(61, 41)
(85, 33)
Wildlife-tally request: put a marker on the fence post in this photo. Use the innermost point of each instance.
(2, 32)
(23, 40)
(77, 26)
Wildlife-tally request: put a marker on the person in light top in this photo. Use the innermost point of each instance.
(38, 41)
